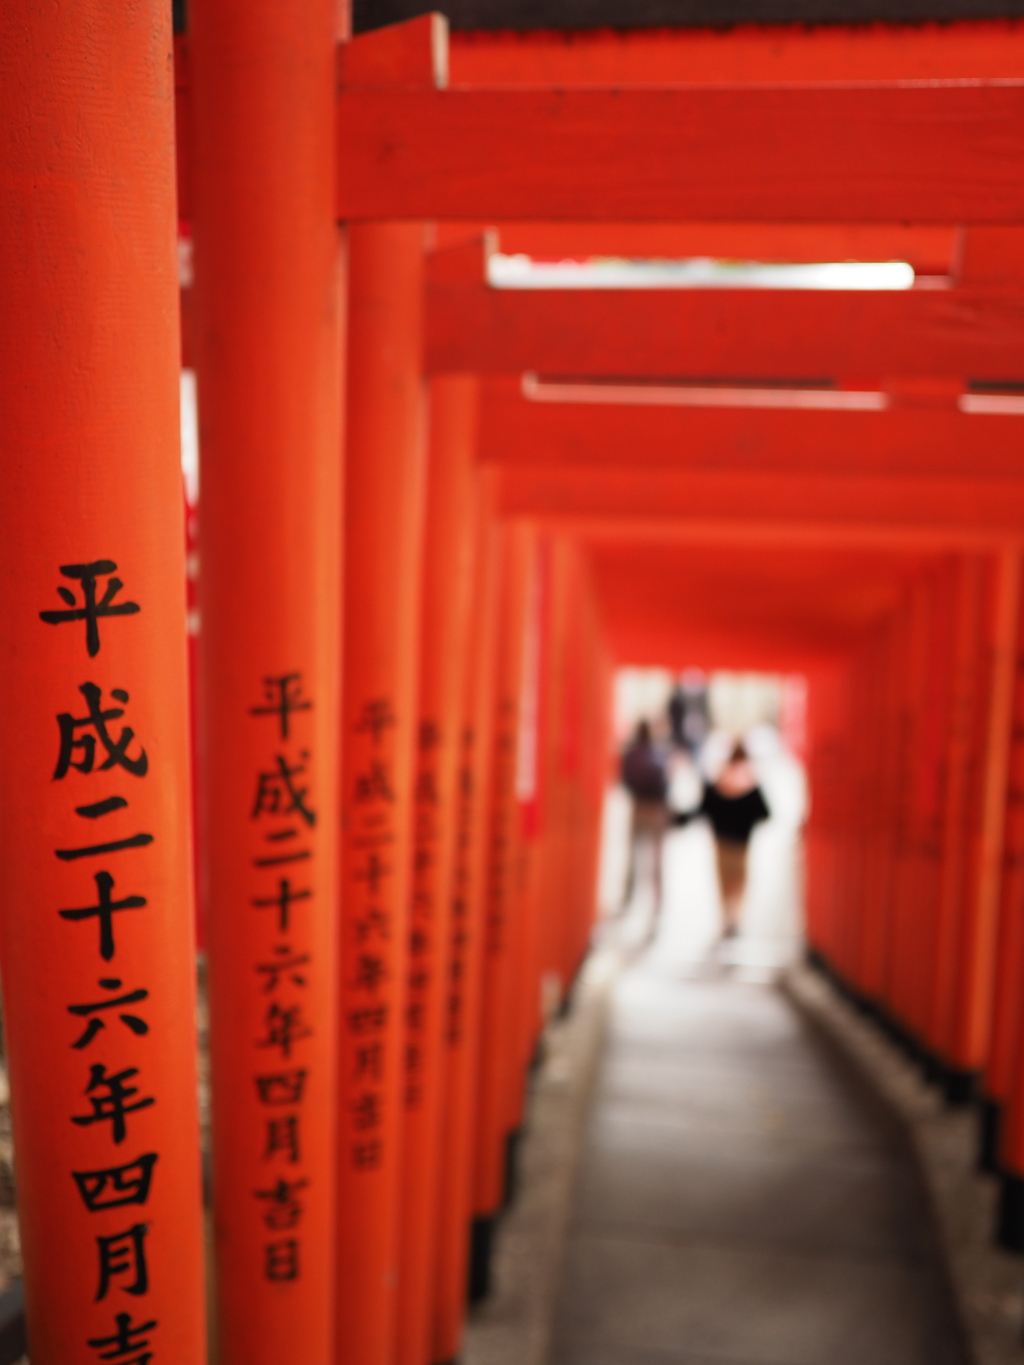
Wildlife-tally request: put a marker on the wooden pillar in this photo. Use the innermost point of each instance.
(827, 834)
(497, 1032)
(869, 967)
(922, 888)
(901, 932)
(386, 441)
(269, 329)
(966, 609)
(445, 603)
(997, 1082)
(856, 908)
(96, 920)
(532, 819)
(972, 1004)
(563, 705)
(469, 890)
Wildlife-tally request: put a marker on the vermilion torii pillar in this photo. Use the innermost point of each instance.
(468, 905)
(386, 438)
(499, 1038)
(96, 927)
(269, 327)
(444, 620)
(970, 1032)
(998, 1081)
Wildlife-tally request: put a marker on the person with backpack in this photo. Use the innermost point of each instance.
(644, 774)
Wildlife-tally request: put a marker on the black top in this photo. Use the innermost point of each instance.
(731, 817)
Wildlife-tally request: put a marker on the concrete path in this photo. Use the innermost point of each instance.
(740, 1200)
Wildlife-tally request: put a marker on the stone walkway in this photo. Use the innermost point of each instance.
(740, 1199)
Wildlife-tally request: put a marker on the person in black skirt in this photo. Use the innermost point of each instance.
(733, 805)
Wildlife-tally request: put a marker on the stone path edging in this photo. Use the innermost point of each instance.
(988, 1283)
(513, 1327)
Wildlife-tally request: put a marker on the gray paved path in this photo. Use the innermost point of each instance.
(740, 1200)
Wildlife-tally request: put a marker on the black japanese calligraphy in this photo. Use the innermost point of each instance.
(368, 1111)
(90, 610)
(283, 1260)
(100, 808)
(131, 1021)
(286, 967)
(283, 697)
(373, 872)
(369, 1061)
(371, 972)
(367, 1156)
(277, 793)
(285, 1027)
(84, 746)
(375, 783)
(104, 911)
(376, 718)
(127, 1344)
(283, 1206)
(123, 1256)
(70, 855)
(92, 743)
(115, 1186)
(284, 900)
(283, 1136)
(286, 1087)
(109, 1099)
(285, 817)
(371, 1020)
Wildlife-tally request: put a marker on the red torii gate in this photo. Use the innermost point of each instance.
(866, 129)
(932, 149)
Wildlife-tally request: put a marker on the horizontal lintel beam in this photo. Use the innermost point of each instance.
(993, 506)
(588, 437)
(779, 334)
(930, 152)
(778, 533)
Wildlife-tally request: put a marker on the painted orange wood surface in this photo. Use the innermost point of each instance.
(903, 440)
(999, 1069)
(940, 503)
(470, 892)
(97, 947)
(709, 604)
(964, 729)
(745, 53)
(269, 324)
(385, 456)
(444, 626)
(930, 249)
(799, 334)
(860, 153)
(977, 955)
(498, 1054)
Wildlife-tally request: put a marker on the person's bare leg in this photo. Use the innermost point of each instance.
(732, 875)
(731, 915)
(630, 883)
(657, 848)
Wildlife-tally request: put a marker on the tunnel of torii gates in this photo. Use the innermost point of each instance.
(435, 515)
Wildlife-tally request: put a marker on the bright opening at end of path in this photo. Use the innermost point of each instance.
(524, 272)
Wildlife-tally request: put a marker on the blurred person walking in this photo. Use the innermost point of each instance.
(733, 805)
(644, 774)
(687, 711)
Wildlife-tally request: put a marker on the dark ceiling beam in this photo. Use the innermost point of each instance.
(583, 14)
